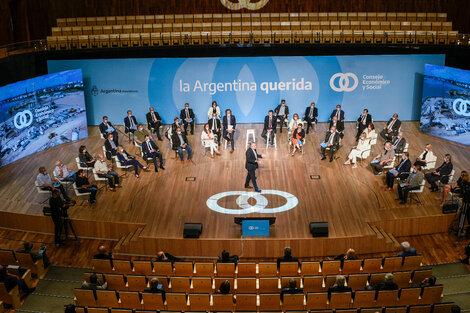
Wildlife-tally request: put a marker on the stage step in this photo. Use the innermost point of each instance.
(377, 231)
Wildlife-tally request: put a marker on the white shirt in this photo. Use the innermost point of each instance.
(65, 172)
(101, 166)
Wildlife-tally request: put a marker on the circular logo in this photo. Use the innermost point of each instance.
(343, 82)
(23, 119)
(461, 107)
(259, 207)
(244, 4)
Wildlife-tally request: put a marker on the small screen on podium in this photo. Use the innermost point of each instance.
(255, 228)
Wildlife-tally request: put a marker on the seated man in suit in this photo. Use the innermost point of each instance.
(362, 122)
(103, 254)
(28, 248)
(229, 123)
(407, 250)
(291, 289)
(175, 125)
(332, 142)
(62, 173)
(83, 185)
(388, 283)
(401, 171)
(269, 127)
(155, 287)
(281, 112)
(94, 284)
(110, 146)
(140, 134)
(339, 286)
(338, 113)
(287, 257)
(441, 173)
(412, 182)
(104, 171)
(311, 115)
(106, 127)
(399, 143)
(227, 258)
(391, 128)
(215, 125)
(126, 159)
(187, 116)
(154, 121)
(130, 123)
(339, 125)
(45, 181)
(214, 109)
(382, 159)
(150, 150)
(180, 142)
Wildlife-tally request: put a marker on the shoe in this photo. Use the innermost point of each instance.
(331, 160)
(161, 166)
(433, 190)
(402, 202)
(137, 175)
(248, 187)
(231, 151)
(31, 290)
(156, 170)
(190, 160)
(378, 174)
(398, 199)
(160, 139)
(464, 261)
(323, 158)
(355, 165)
(258, 190)
(347, 163)
(145, 168)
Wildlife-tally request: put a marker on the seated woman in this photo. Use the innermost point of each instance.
(208, 140)
(455, 188)
(126, 159)
(86, 160)
(294, 122)
(370, 132)
(425, 157)
(297, 139)
(362, 145)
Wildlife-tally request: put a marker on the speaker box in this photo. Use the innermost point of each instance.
(319, 229)
(192, 230)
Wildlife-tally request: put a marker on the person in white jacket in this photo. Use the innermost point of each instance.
(214, 108)
(362, 145)
(208, 140)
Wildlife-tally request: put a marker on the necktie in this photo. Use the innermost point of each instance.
(153, 117)
(391, 124)
(397, 141)
(332, 136)
(256, 155)
(106, 124)
(311, 111)
(131, 121)
(270, 122)
(337, 114)
(149, 146)
(364, 119)
(399, 166)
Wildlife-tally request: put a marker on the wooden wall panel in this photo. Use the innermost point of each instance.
(6, 31)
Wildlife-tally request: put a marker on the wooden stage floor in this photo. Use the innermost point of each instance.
(352, 201)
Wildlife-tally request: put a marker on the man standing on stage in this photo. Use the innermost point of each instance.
(251, 165)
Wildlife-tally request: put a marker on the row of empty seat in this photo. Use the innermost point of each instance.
(252, 269)
(203, 284)
(253, 17)
(254, 302)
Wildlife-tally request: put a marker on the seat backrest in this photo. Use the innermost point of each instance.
(106, 298)
(165, 268)
(402, 278)
(116, 281)
(267, 269)
(293, 302)
(246, 285)
(420, 275)
(219, 280)
(136, 282)
(285, 281)
(199, 302)
(84, 297)
(310, 268)
(246, 302)
(330, 267)
(387, 297)
(330, 281)
(176, 301)
(102, 266)
(340, 300)
(7, 257)
(351, 266)
(163, 280)
(12, 298)
(442, 307)
(376, 278)
(419, 308)
(269, 284)
(397, 309)
(364, 299)
(412, 262)
(313, 283)
(289, 269)
(222, 302)
(130, 300)
(431, 294)
(269, 302)
(246, 269)
(183, 268)
(202, 284)
(409, 296)
(225, 269)
(123, 266)
(317, 300)
(358, 281)
(143, 267)
(152, 301)
(392, 264)
(180, 284)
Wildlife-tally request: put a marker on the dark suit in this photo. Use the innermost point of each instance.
(414, 181)
(216, 126)
(110, 151)
(285, 258)
(393, 129)
(339, 127)
(227, 135)
(281, 117)
(156, 290)
(334, 145)
(148, 154)
(340, 115)
(362, 123)
(251, 165)
(310, 117)
(175, 139)
(174, 126)
(337, 289)
(183, 116)
(127, 124)
(268, 127)
(103, 127)
(154, 123)
(443, 171)
(403, 169)
(400, 144)
(126, 159)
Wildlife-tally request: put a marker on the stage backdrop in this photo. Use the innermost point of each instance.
(250, 86)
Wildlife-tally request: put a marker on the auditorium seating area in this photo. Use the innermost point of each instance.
(252, 28)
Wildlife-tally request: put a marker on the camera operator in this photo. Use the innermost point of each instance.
(465, 194)
(58, 211)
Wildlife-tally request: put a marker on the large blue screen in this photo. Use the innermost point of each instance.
(40, 113)
(250, 86)
(445, 111)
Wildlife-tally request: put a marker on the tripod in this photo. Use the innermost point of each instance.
(458, 224)
(65, 225)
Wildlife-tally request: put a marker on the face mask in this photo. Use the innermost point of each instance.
(122, 150)
(425, 149)
(148, 140)
(207, 128)
(105, 121)
(110, 138)
(362, 137)
(179, 133)
(84, 151)
(369, 129)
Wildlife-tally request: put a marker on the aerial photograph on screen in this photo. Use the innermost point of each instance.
(445, 110)
(40, 113)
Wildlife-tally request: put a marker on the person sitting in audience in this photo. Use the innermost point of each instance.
(166, 257)
(227, 258)
(281, 112)
(175, 125)
(126, 159)
(370, 131)
(311, 115)
(294, 122)
(187, 117)
(208, 140)
(401, 171)
(356, 152)
(388, 283)
(86, 160)
(62, 173)
(224, 288)
(94, 283)
(428, 281)
(456, 188)
(466, 260)
(155, 287)
(154, 121)
(229, 123)
(391, 128)
(110, 147)
(44, 180)
(338, 113)
(84, 186)
(103, 254)
(441, 173)
(215, 126)
(150, 150)
(350, 255)
(287, 257)
(269, 127)
(11, 281)
(382, 159)
(339, 286)
(425, 157)
(41, 255)
(339, 125)
(214, 109)
(412, 182)
(362, 122)
(106, 128)
(180, 142)
(407, 250)
(140, 134)
(104, 171)
(130, 123)
(291, 289)
(332, 142)
(298, 136)
(399, 143)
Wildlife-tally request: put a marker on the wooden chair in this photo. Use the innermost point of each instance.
(396, 309)
(25, 260)
(152, 301)
(351, 266)
(376, 278)
(7, 257)
(11, 297)
(431, 295)
(176, 301)
(392, 264)
(340, 300)
(246, 269)
(202, 284)
(102, 266)
(358, 281)
(420, 275)
(199, 302)
(346, 311)
(143, 267)
(246, 302)
(289, 269)
(95, 310)
(329, 281)
(412, 262)
(225, 269)
(364, 299)
(402, 279)
(372, 265)
(442, 307)
(115, 281)
(267, 269)
(78, 309)
(313, 283)
(330, 267)
(246, 285)
(222, 302)
(269, 302)
(317, 300)
(183, 269)
(268, 284)
(122, 266)
(180, 284)
(219, 280)
(409, 296)
(165, 268)
(106, 298)
(293, 302)
(419, 308)
(387, 298)
(130, 300)
(136, 282)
